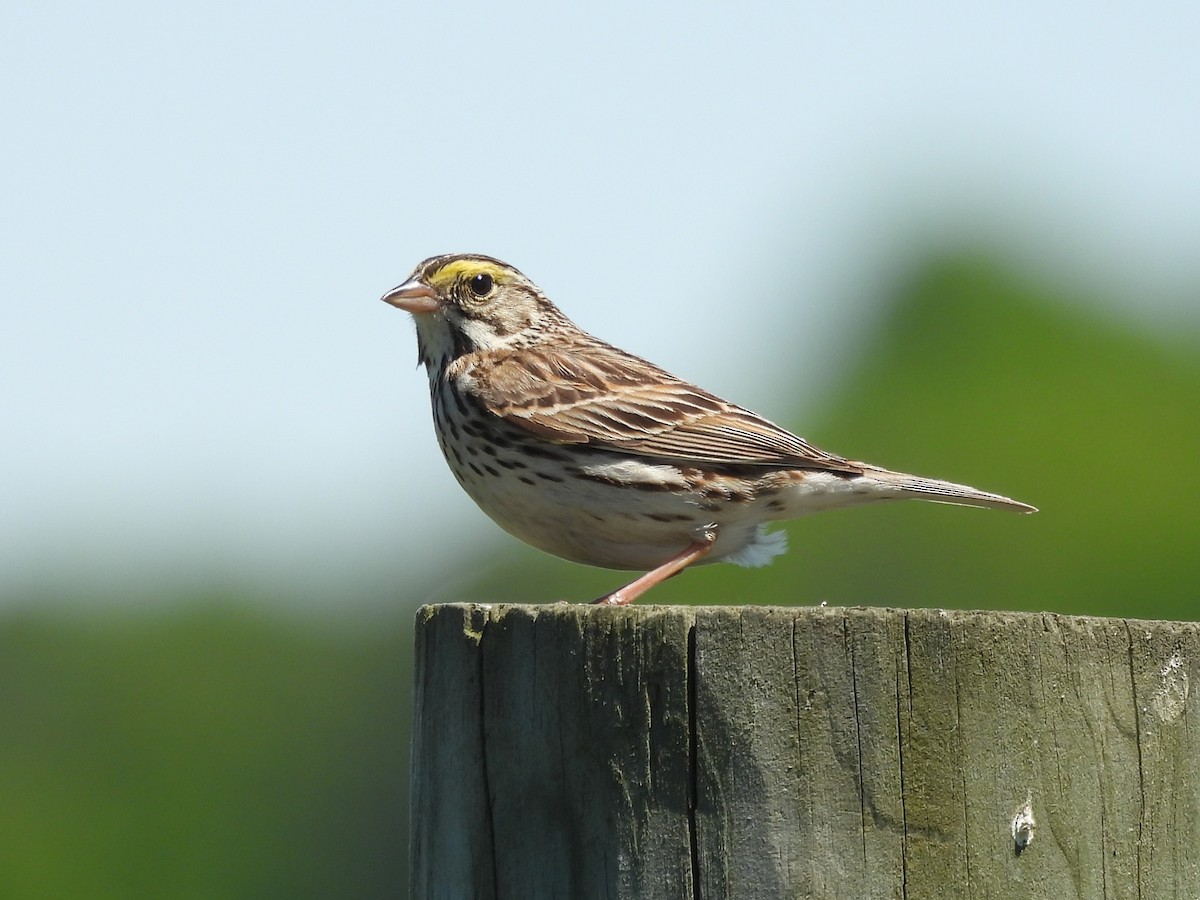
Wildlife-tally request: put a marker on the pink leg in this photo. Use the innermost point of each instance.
(673, 566)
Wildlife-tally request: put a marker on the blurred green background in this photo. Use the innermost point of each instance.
(953, 239)
(985, 375)
(213, 748)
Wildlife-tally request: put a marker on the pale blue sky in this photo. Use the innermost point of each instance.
(203, 203)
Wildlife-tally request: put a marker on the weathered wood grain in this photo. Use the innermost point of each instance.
(750, 752)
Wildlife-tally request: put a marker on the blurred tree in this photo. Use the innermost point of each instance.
(979, 376)
(204, 751)
(201, 753)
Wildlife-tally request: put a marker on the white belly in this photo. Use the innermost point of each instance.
(609, 523)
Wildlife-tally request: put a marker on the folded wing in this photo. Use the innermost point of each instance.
(595, 394)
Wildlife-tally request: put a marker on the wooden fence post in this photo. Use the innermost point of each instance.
(748, 752)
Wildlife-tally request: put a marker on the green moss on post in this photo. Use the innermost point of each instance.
(748, 752)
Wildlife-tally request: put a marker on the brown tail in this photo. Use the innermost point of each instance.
(943, 491)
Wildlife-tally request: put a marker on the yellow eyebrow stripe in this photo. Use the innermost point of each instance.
(461, 269)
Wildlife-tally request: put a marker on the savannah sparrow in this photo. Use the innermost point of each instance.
(597, 456)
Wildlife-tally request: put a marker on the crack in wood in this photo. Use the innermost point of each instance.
(693, 764)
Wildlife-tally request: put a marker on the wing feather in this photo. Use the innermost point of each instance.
(597, 395)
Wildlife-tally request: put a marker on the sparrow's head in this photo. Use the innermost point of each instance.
(465, 302)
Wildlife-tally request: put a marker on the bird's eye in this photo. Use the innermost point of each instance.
(481, 284)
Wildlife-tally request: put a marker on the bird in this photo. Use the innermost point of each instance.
(600, 457)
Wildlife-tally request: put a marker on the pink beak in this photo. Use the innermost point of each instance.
(413, 297)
